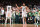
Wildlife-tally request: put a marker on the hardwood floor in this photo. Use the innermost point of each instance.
(18, 25)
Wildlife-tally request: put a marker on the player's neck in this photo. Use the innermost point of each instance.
(23, 5)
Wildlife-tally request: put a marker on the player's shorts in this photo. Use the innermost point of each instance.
(8, 14)
(8, 17)
(37, 17)
(24, 15)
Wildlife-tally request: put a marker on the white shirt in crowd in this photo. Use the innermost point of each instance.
(2, 11)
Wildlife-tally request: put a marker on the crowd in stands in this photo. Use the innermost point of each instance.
(33, 14)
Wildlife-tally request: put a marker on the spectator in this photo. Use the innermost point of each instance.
(2, 10)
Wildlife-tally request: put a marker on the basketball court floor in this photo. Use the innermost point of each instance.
(18, 25)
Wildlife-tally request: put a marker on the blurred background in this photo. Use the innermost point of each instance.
(31, 4)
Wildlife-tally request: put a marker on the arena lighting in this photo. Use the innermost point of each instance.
(8, 15)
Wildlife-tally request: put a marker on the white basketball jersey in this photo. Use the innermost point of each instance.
(23, 8)
(8, 13)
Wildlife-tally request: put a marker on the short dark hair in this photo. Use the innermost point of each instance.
(23, 3)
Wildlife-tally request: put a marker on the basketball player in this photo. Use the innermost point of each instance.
(24, 14)
(8, 14)
(13, 15)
